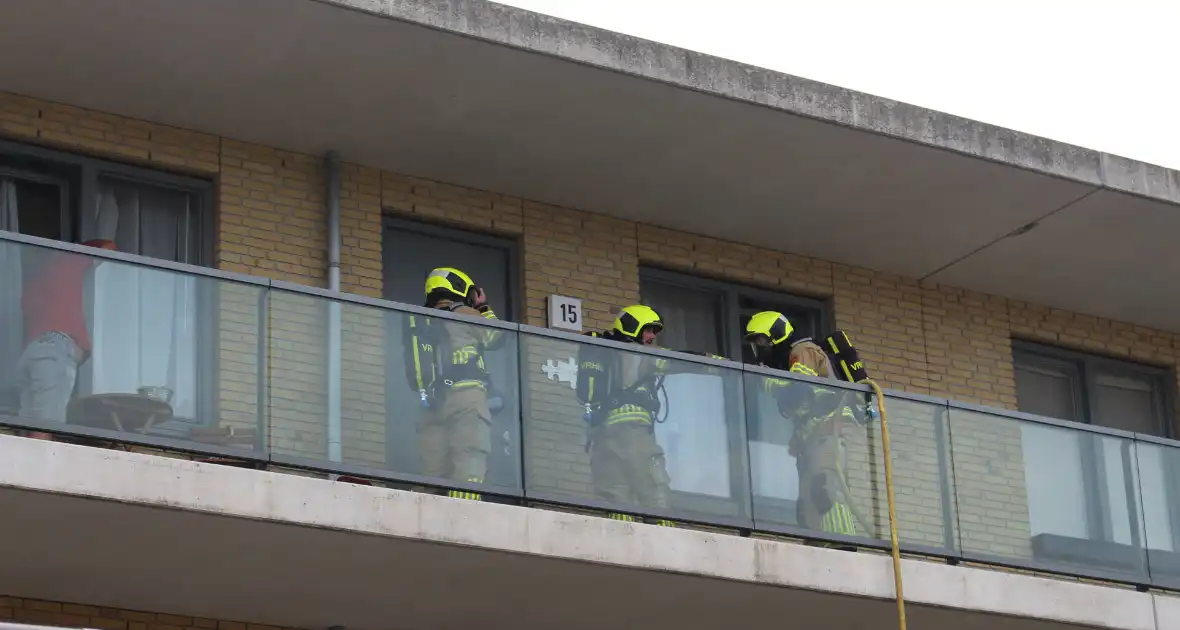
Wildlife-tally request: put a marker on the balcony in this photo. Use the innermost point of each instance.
(582, 118)
(242, 372)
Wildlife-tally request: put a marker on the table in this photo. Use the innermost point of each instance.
(126, 413)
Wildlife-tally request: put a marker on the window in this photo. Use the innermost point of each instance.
(410, 251)
(148, 327)
(702, 315)
(692, 315)
(1094, 390)
(699, 442)
(1083, 486)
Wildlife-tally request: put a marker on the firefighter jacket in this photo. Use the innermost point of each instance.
(450, 353)
(467, 346)
(624, 386)
(810, 406)
(635, 385)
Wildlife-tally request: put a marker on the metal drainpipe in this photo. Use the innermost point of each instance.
(332, 164)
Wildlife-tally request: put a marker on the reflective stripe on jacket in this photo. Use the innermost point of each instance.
(468, 342)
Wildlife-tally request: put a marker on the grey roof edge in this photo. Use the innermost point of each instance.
(526, 30)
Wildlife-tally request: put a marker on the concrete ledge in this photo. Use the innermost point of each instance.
(1167, 611)
(631, 55)
(147, 480)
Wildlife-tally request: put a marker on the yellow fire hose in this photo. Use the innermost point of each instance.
(892, 505)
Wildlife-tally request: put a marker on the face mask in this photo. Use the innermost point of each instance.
(761, 352)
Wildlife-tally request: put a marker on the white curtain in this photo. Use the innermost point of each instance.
(144, 328)
(12, 333)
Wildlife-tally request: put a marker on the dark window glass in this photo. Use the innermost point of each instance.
(1096, 390)
(703, 315)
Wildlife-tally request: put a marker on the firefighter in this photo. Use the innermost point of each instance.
(820, 416)
(621, 393)
(445, 361)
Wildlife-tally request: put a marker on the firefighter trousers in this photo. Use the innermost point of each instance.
(627, 465)
(455, 436)
(824, 503)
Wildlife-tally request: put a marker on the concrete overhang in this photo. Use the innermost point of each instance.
(139, 531)
(484, 95)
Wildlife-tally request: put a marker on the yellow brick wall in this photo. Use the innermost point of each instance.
(691, 253)
(271, 214)
(67, 615)
(581, 255)
(969, 355)
(918, 337)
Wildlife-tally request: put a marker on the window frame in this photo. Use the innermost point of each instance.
(201, 190)
(75, 221)
(1088, 365)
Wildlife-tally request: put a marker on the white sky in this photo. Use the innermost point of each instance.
(1102, 75)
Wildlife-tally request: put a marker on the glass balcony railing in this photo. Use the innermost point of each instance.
(804, 463)
(1158, 475)
(1053, 495)
(364, 413)
(108, 349)
(111, 350)
(669, 442)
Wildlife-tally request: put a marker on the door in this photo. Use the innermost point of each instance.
(410, 251)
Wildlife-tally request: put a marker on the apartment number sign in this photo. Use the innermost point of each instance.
(565, 313)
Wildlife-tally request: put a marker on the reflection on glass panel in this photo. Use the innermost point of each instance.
(419, 396)
(1159, 473)
(1058, 496)
(122, 347)
(632, 432)
(823, 471)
